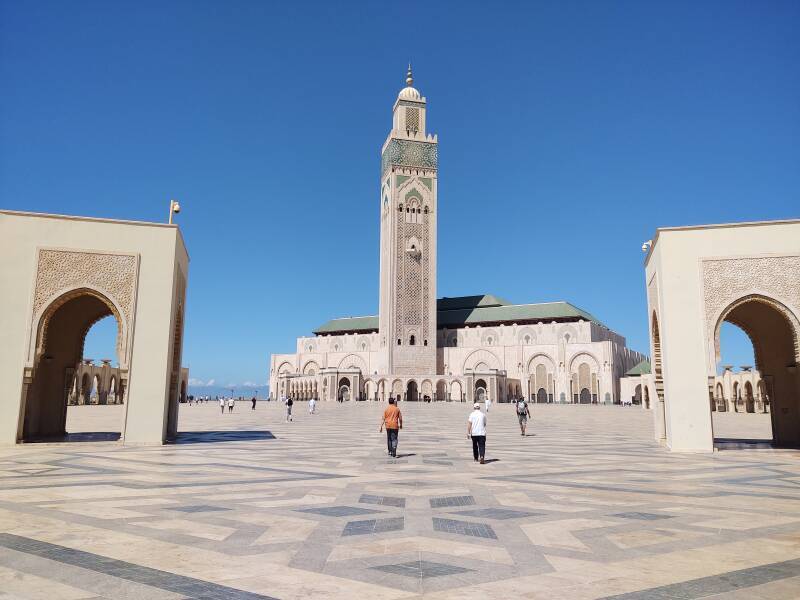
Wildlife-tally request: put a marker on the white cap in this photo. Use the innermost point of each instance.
(476, 405)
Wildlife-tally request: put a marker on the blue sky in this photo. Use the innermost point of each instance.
(568, 131)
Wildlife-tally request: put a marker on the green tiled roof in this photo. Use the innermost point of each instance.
(472, 310)
(460, 302)
(349, 325)
(643, 368)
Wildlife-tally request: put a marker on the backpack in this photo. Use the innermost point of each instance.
(522, 408)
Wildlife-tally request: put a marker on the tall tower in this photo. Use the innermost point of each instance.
(407, 322)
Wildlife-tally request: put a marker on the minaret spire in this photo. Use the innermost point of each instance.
(409, 76)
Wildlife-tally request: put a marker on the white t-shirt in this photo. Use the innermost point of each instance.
(478, 420)
(222, 401)
(230, 402)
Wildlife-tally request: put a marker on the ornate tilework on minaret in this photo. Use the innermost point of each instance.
(407, 321)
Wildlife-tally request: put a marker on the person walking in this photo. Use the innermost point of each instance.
(222, 405)
(312, 406)
(393, 421)
(523, 412)
(231, 402)
(289, 404)
(476, 429)
(488, 404)
(254, 403)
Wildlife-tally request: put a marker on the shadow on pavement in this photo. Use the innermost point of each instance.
(210, 437)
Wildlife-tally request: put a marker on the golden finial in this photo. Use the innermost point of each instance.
(409, 76)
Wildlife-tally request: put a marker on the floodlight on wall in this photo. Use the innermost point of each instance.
(647, 245)
(174, 209)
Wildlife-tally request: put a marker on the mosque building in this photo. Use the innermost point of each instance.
(468, 348)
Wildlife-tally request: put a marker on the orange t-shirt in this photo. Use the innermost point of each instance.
(392, 417)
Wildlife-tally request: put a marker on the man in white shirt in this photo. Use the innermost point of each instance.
(312, 404)
(222, 404)
(476, 429)
(488, 403)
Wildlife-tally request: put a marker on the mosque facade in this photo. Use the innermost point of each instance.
(461, 349)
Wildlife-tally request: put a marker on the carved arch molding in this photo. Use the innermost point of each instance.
(64, 274)
(727, 280)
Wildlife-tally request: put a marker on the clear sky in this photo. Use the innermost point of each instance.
(568, 132)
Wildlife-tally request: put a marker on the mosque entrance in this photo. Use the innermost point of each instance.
(480, 391)
(344, 390)
(60, 344)
(412, 393)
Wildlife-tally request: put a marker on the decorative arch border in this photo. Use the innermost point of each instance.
(584, 353)
(356, 360)
(778, 304)
(306, 365)
(41, 321)
(280, 366)
(478, 357)
(544, 355)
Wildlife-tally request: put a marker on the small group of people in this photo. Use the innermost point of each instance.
(229, 402)
(392, 421)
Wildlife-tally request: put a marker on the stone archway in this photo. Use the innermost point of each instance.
(61, 332)
(481, 390)
(412, 391)
(773, 330)
(700, 276)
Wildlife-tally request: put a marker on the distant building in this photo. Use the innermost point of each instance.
(462, 349)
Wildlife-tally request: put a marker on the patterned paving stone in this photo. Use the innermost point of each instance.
(373, 526)
(199, 508)
(452, 501)
(541, 521)
(382, 500)
(338, 511)
(422, 569)
(498, 513)
(642, 516)
(481, 530)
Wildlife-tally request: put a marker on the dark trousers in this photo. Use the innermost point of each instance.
(478, 446)
(391, 440)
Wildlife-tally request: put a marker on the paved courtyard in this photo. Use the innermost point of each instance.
(247, 506)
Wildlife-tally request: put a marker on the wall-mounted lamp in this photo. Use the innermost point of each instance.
(174, 209)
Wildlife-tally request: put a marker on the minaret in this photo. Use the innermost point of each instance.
(407, 322)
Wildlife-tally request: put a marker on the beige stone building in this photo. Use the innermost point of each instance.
(463, 349)
(60, 275)
(699, 277)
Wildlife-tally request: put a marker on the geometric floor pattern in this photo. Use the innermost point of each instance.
(247, 506)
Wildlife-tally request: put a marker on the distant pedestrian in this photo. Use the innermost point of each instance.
(254, 402)
(476, 429)
(488, 403)
(222, 405)
(523, 412)
(312, 406)
(393, 421)
(289, 403)
(231, 402)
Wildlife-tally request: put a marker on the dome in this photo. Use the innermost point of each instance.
(409, 92)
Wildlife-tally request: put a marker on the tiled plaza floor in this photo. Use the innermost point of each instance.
(248, 506)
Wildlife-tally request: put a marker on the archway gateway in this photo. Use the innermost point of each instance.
(412, 391)
(135, 272)
(699, 277)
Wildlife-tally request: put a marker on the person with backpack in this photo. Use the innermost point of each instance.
(289, 403)
(523, 412)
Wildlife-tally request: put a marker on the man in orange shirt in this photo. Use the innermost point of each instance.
(393, 421)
